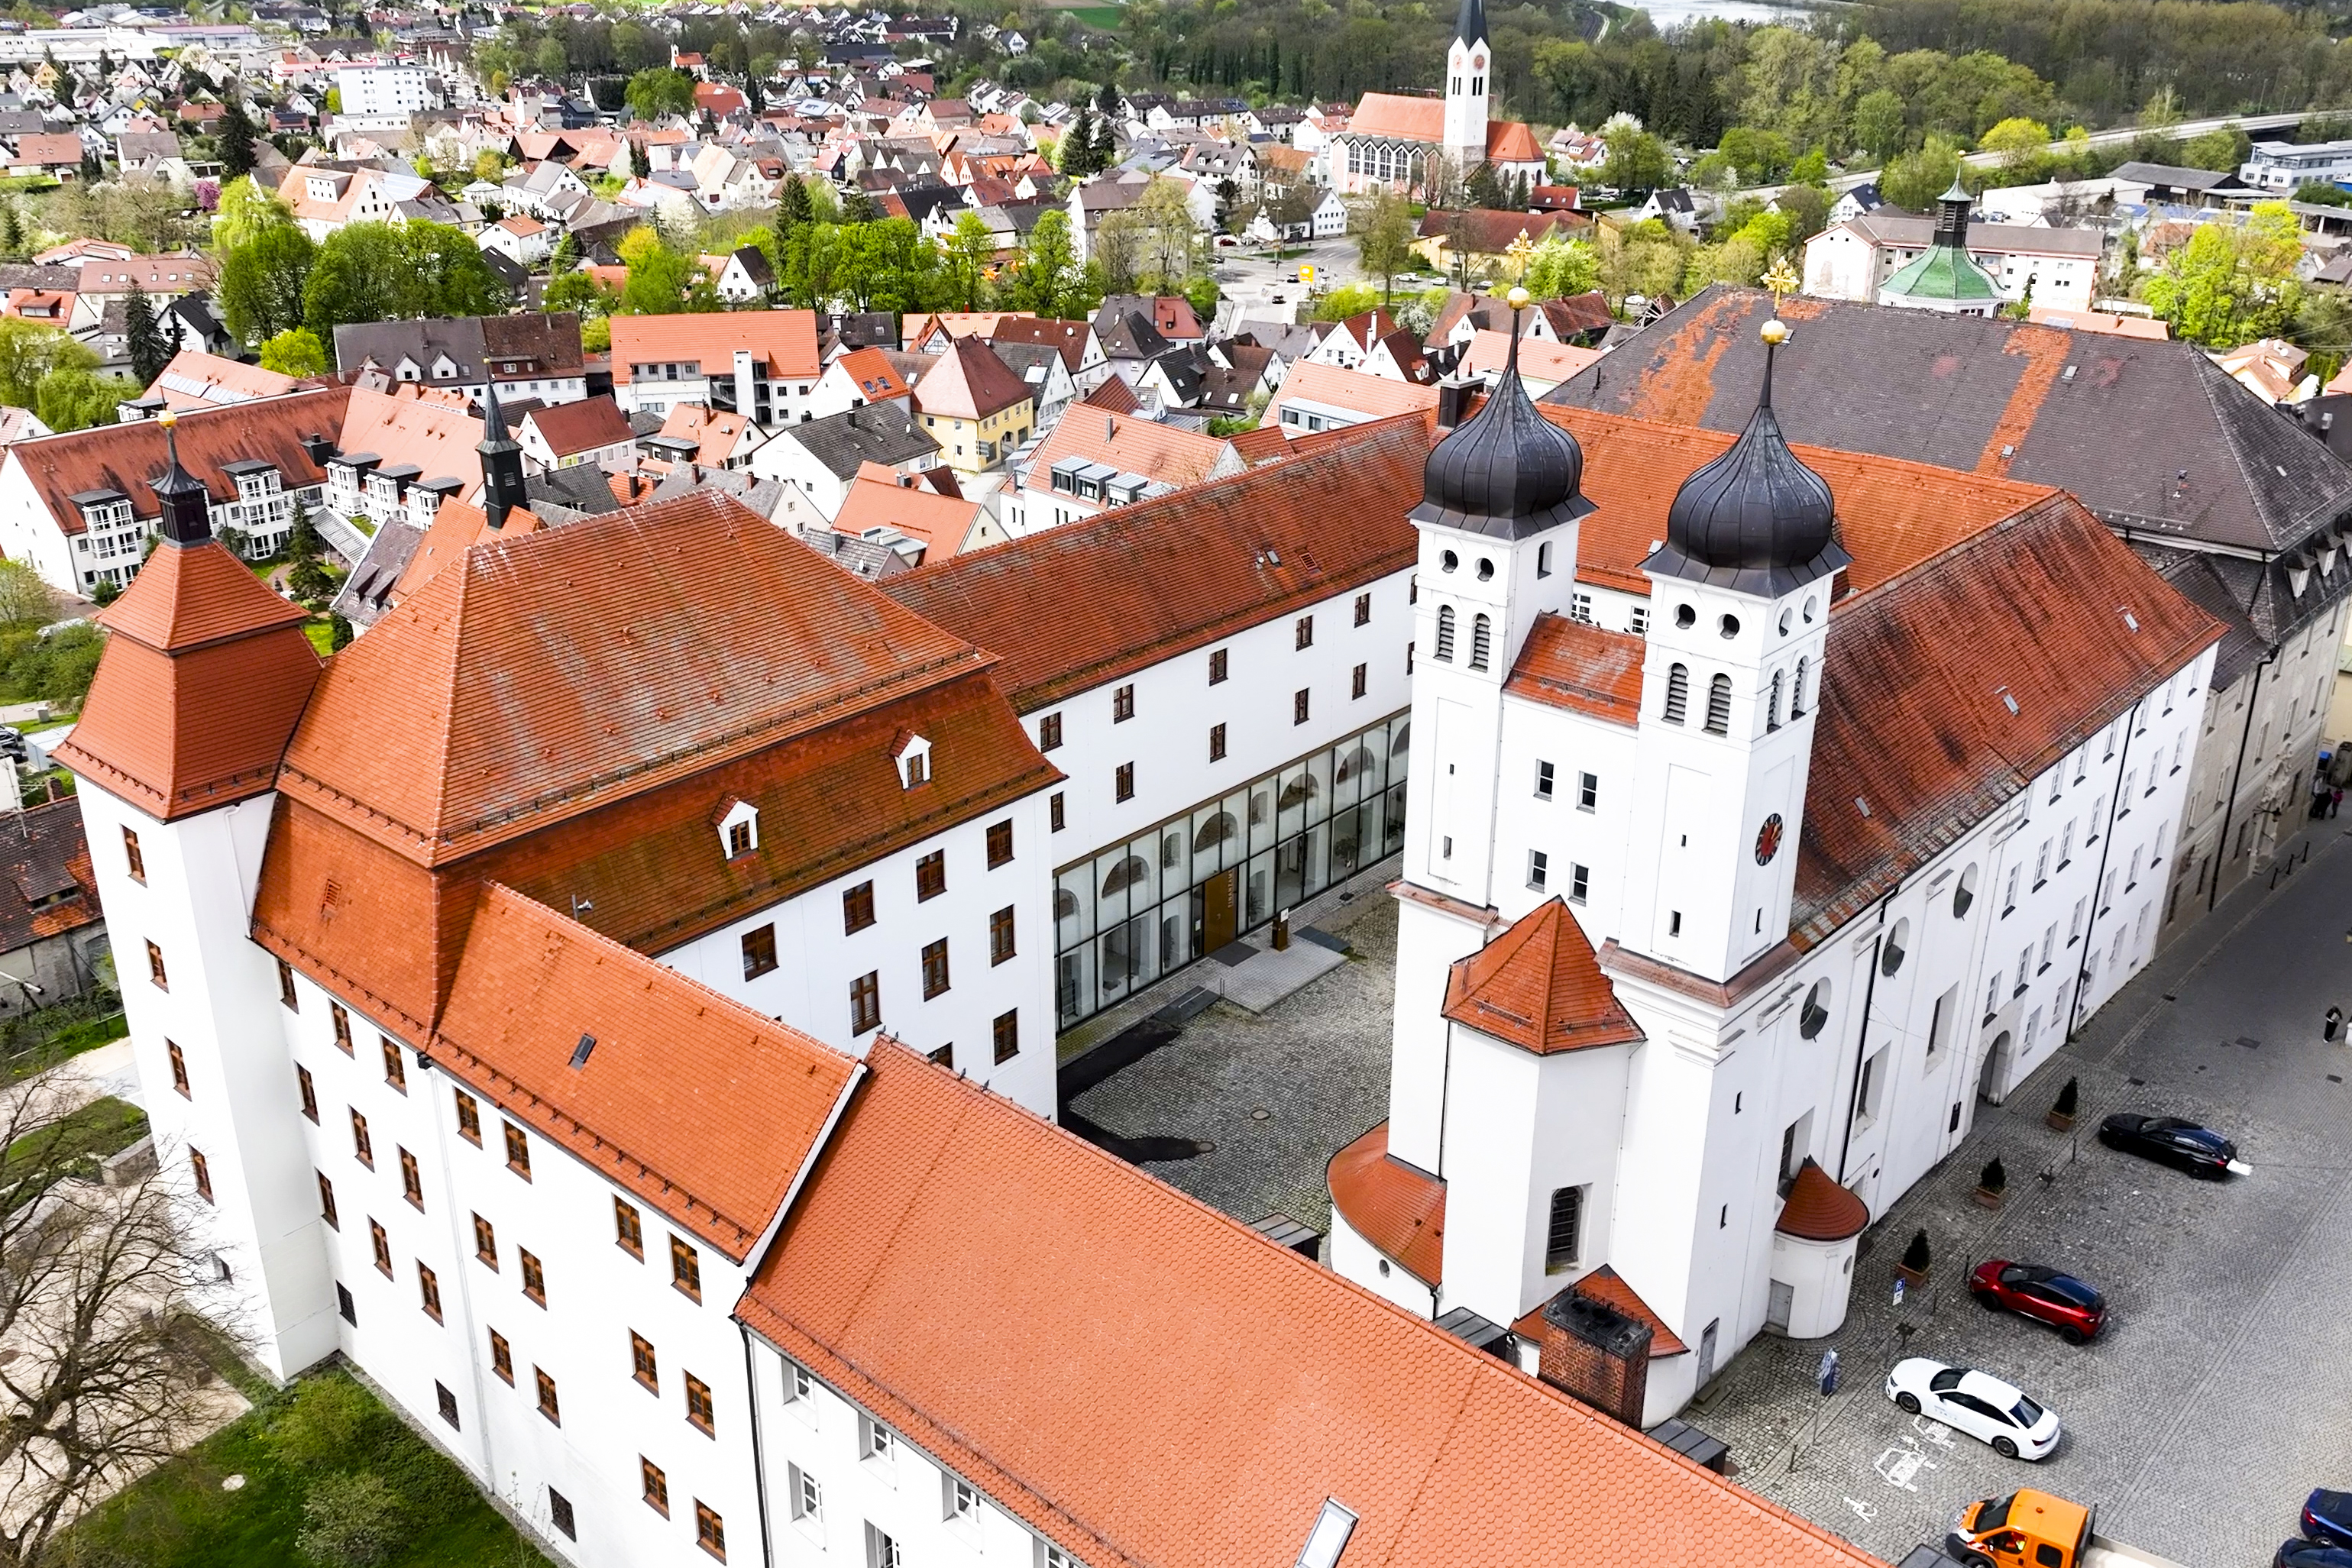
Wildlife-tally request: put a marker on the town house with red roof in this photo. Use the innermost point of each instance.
(762, 363)
(1421, 145)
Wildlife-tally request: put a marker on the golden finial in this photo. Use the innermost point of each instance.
(167, 419)
(1775, 331)
(1518, 298)
(1782, 280)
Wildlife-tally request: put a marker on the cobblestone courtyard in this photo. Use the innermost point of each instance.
(2196, 1424)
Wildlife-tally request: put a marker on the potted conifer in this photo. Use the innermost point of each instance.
(2061, 1114)
(1992, 1182)
(1914, 1266)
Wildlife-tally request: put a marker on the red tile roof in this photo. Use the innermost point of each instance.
(1398, 1209)
(1113, 394)
(197, 690)
(527, 680)
(124, 457)
(1818, 1209)
(704, 1109)
(1536, 985)
(1359, 391)
(874, 375)
(570, 428)
(1073, 606)
(1168, 452)
(969, 381)
(1577, 665)
(877, 501)
(1400, 118)
(47, 884)
(1069, 338)
(457, 527)
(1142, 1381)
(440, 434)
(783, 340)
(1917, 721)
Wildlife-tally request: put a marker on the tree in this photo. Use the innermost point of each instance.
(29, 352)
(149, 354)
(102, 1290)
(2224, 148)
(12, 231)
(1075, 156)
(969, 250)
(263, 283)
(1384, 239)
(550, 60)
(80, 399)
(1049, 265)
(26, 604)
(792, 208)
(659, 93)
(566, 255)
(445, 273)
(1172, 240)
(2232, 283)
(1915, 180)
(235, 138)
(857, 207)
(2018, 140)
(1560, 268)
(356, 277)
(1348, 299)
(1107, 100)
(1637, 159)
(245, 211)
(1879, 123)
(295, 352)
(1117, 252)
(575, 290)
(662, 280)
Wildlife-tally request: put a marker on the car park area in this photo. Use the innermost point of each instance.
(2205, 1409)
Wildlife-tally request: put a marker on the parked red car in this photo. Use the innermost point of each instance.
(2076, 1310)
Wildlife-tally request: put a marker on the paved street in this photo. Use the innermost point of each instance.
(2192, 1423)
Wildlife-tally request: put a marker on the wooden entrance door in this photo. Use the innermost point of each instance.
(1220, 909)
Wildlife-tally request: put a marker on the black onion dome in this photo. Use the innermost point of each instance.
(1507, 473)
(1756, 519)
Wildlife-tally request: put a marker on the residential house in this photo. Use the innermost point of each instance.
(529, 355)
(974, 406)
(1317, 396)
(857, 379)
(816, 459)
(591, 431)
(762, 363)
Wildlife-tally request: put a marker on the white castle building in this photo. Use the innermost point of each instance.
(1714, 932)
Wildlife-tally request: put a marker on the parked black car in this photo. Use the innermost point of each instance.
(2302, 1553)
(2169, 1140)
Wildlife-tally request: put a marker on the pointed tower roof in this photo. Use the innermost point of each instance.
(1508, 472)
(1818, 1209)
(1945, 273)
(1756, 519)
(1538, 987)
(1470, 26)
(206, 673)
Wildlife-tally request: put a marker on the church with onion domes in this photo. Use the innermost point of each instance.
(1735, 882)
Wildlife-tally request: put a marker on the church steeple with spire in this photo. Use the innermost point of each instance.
(1469, 67)
(502, 479)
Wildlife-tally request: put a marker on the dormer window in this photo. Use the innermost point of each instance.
(739, 830)
(914, 758)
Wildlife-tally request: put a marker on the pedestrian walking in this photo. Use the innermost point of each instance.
(2334, 1025)
(2336, 800)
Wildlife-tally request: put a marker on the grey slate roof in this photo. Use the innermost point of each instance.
(2178, 178)
(2153, 437)
(887, 435)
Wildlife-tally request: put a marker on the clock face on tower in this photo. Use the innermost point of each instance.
(1768, 839)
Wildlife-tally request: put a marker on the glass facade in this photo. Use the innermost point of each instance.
(1134, 911)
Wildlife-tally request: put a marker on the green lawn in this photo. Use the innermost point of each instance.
(321, 1433)
(104, 1126)
(323, 636)
(1103, 16)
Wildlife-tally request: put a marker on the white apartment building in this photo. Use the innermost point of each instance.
(2284, 165)
(763, 363)
(77, 509)
(2056, 267)
(392, 93)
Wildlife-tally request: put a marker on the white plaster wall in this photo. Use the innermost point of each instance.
(1168, 738)
(238, 1112)
(597, 1294)
(1821, 1276)
(28, 532)
(809, 989)
(1351, 1257)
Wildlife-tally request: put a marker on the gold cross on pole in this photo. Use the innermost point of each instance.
(1781, 280)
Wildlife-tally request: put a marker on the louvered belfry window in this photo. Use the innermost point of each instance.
(1677, 694)
(1445, 632)
(1718, 706)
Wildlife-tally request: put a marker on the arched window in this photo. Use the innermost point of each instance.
(1445, 632)
(1482, 639)
(1718, 706)
(1216, 830)
(1677, 693)
(1797, 692)
(1134, 869)
(1772, 709)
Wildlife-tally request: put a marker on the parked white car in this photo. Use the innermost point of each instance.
(1967, 1401)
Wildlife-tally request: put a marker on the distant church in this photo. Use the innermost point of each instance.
(1396, 142)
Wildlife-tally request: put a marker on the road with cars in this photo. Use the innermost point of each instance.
(2207, 1405)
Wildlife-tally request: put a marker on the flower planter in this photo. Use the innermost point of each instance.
(1987, 1198)
(2060, 1122)
(1912, 1278)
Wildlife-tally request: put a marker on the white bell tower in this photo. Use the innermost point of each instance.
(1739, 597)
(1469, 74)
(1501, 498)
